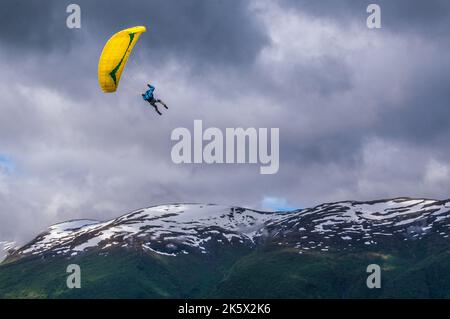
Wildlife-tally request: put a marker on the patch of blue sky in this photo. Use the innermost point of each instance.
(7, 163)
(277, 204)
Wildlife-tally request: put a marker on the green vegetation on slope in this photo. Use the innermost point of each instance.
(235, 272)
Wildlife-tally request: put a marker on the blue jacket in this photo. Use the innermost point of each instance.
(148, 95)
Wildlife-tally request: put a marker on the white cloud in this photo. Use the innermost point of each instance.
(437, 173)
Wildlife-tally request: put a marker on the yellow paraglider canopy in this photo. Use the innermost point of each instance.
(115, 56)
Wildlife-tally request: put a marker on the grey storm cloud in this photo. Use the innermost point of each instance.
(362, 113)
(31, 25)
(426, 17)
(424, 116)
(198, 31)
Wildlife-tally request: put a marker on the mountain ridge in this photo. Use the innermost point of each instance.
(216, 251)
(184, 227)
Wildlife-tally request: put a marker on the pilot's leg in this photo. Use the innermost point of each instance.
(162, 103)
(156, 108)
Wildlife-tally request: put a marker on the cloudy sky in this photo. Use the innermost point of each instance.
(363, 114)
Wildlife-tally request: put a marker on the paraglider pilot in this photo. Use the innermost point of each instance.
(150, 98)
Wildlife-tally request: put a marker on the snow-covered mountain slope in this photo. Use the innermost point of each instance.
(168, 229)
(347, 224)
(194, 228)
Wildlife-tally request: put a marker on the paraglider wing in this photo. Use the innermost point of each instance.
(115, 56)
